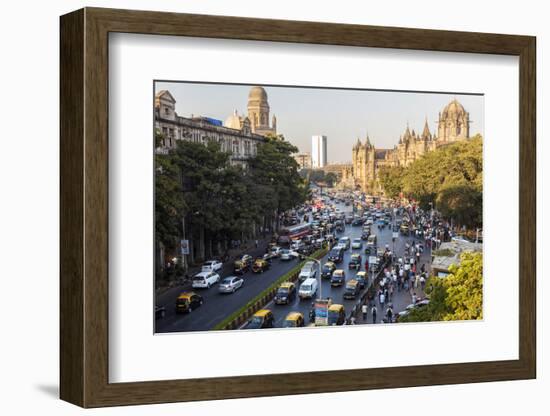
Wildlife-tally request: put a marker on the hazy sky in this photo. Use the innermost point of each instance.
(341, 115)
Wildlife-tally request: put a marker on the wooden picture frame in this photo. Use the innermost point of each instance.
(84, 207)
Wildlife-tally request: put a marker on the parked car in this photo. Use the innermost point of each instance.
(308, 288)
(187, 302)
(262, 319)
(285, 294)
(211, 266)
(294, 320)
(308, 271)
(230, 284)
(338, 278)
(204, 280)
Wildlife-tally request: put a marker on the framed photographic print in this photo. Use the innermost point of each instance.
(243, 200)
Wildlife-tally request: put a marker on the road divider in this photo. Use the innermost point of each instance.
(240, 316)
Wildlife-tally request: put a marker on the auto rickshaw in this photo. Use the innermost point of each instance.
(336, 314)
(242, 265)
(260, 265)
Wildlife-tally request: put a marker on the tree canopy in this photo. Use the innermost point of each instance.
(459, 296)
(450, 176)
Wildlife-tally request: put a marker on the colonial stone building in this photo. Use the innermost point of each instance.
(237, 135)
(367, 160)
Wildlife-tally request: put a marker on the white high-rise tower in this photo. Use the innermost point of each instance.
(318, 151)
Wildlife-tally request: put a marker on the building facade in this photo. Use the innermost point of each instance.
(318, 151)
(367, 160)
(236, 135)
(303, 160)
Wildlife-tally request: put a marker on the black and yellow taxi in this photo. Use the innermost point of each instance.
(260, 265)
(362, 278)
(338, 278)
(187, 302)
(352, 289)
(328, 269)
(262, 319)
(355, 261)
(294, 320)
(336, 314)
(285, 293)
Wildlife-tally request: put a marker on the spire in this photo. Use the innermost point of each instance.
(368, 140)
(426, 135)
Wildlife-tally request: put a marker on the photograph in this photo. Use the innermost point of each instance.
(300, 207)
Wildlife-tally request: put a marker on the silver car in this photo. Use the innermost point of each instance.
(230, 284)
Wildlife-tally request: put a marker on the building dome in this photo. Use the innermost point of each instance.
(233, 121)
(454, 108)
(257, 94)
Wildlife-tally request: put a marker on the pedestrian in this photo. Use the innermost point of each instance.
(364, 310)
(352, 320)
(423, 268)
(422, 281)
(414, 298)
(256, 243)
(389, 315)
(391, 293)
(416, 281)
(382, 299)
(373, 313)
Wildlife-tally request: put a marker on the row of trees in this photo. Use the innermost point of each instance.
(319, 176)
(450, 177)
(199, 194)
(459, 296)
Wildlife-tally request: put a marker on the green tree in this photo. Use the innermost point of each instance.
(465, 288)
(169, 203)
(275, 169)
(450, 176)
(391, 179)
(461, 202)
(459, 296)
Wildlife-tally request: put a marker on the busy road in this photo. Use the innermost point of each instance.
(216, 306)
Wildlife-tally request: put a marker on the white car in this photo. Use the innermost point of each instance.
(308, 288)
(308, 271)
(212, 266)
(204, 280)
(230, 284)
(357, 243)
(287, 254)
(345, 241)
(276, 251)
(296, 245)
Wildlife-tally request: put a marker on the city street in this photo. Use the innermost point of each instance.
(217, 307)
